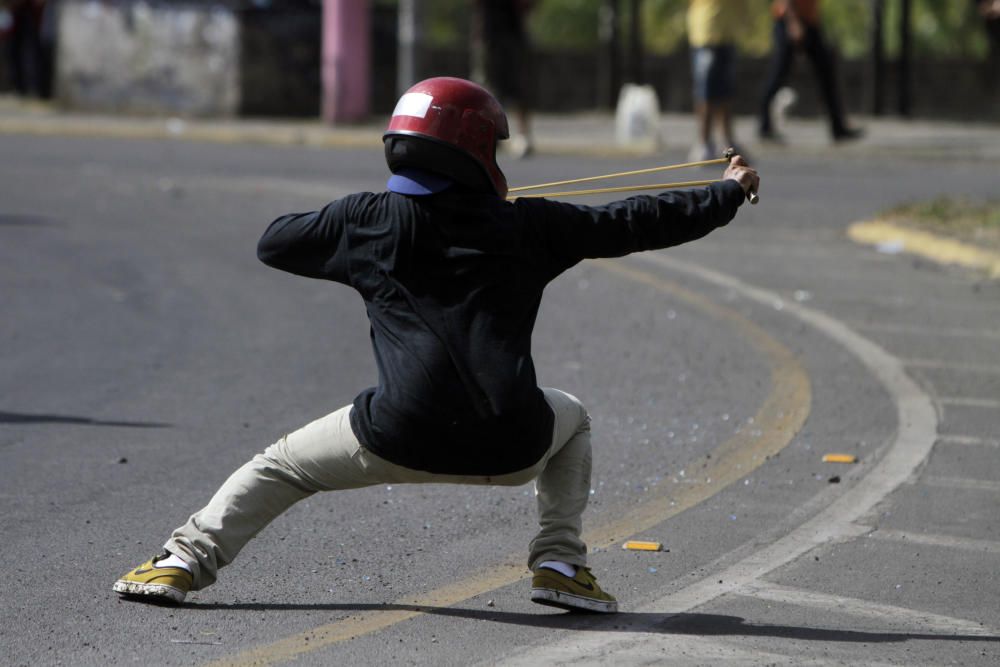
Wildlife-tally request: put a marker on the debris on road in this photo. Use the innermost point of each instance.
(840, 458)
(891, 247)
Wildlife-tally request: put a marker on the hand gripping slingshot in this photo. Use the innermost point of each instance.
(727, 156)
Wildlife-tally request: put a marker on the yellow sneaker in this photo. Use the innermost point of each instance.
(158, 584)
(580, 593)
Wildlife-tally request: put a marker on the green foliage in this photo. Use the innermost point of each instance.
(941, 28)
(447, 21)
(847, 25)
(973, 221)
(568, 24)
(954, 212)
(664, 25)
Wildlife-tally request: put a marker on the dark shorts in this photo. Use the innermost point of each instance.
(713, 73)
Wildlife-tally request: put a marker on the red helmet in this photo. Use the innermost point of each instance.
(451, 120)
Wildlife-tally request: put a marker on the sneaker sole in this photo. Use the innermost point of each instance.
(155, 591)
(572, 602)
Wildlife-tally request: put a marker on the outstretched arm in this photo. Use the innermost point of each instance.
(306, 244)
(572, 232)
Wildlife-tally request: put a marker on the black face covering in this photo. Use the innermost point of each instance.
(423, 153)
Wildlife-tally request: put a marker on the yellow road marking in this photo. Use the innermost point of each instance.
(780, 416)
(925, 244)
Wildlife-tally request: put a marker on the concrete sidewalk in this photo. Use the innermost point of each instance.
(589, 133)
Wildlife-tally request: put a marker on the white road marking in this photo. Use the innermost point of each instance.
(968, 440)
(921, 330)
(885, 614)
(743, 246)
(676, 650)
(914, 439)
(947, 541)
(940, 304)
(812, 237)
(939, 364)
(961, 483)
(969, 402)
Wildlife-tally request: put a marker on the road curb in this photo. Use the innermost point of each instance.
(930, 246)
(290, 133)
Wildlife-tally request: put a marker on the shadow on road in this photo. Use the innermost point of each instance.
(26, 418)
(676, 624)
(18, 220)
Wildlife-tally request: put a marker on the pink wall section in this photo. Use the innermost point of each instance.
(346, 60)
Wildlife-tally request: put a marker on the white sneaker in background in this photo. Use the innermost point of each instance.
(701, 152)
(520, 146)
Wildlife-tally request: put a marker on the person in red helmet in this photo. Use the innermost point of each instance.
(452, 278)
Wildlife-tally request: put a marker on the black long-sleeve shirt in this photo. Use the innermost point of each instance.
(452, 284)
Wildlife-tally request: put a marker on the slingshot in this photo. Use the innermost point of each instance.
(727, 156)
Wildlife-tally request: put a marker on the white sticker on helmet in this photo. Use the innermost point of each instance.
(413, 104)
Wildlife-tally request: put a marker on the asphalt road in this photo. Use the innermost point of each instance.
(147, 354)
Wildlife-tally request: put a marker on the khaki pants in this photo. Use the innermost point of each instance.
(326, 456)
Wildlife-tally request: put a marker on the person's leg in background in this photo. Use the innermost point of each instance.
(822, 62)
(782, 54)
(17, 47)
(722, 87)
(702, 59)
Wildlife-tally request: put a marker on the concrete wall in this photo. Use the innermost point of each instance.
(222, 58)
(149, 57)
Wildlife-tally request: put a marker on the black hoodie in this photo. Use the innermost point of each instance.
(452, 284)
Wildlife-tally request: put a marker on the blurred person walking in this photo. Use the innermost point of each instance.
(501, 53)
(713, 27)
(25, 57)
(48, 33)
(797, 27)
(989, 10)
